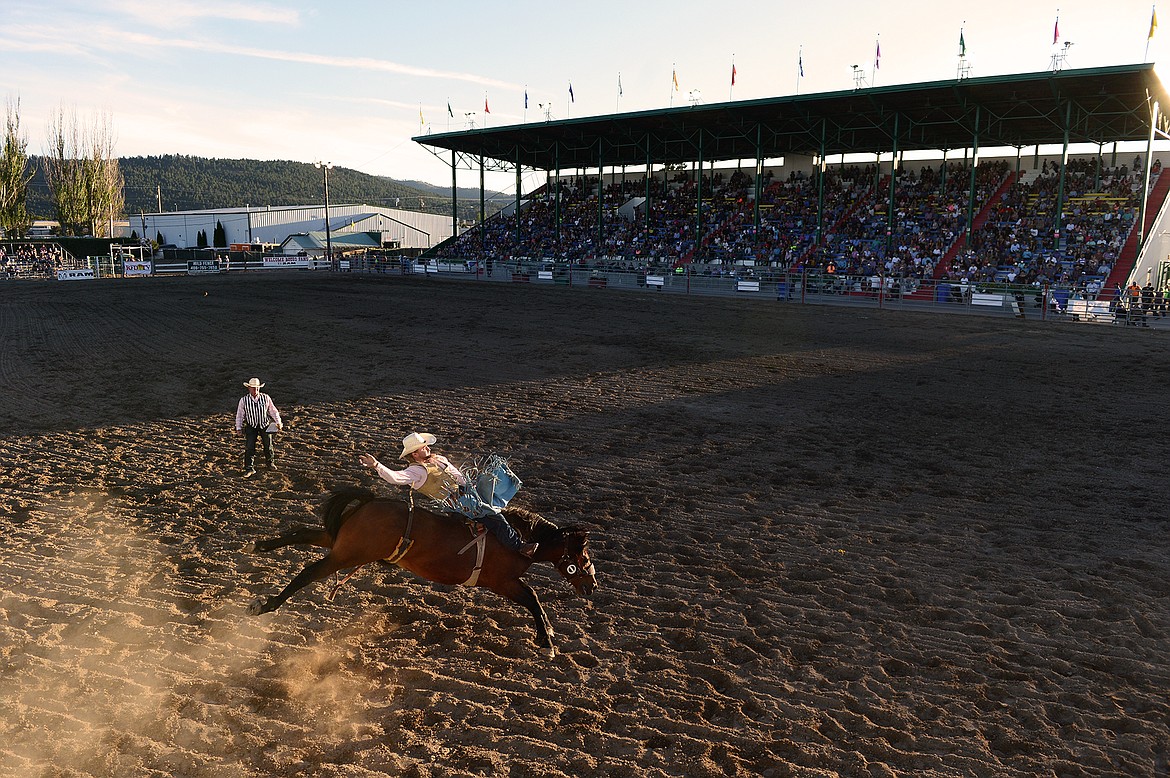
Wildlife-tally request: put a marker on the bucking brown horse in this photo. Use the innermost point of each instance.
(437, 547)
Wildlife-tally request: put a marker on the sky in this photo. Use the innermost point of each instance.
(350, 82)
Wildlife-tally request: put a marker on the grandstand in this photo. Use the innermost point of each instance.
(641, 191)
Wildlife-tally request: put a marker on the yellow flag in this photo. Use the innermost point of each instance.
(1153, 23)
(674, 78)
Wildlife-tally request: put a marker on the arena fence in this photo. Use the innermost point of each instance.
(1042, 302)
(1045, 302)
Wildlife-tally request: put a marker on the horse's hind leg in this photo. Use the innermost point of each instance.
(314, 572)
(302, 536)
(521, 593)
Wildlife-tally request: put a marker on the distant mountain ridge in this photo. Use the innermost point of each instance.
(185, 183)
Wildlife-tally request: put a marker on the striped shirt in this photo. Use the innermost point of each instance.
(256, 411)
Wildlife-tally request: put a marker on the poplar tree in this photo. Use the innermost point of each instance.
(14, 175)
(85, 182)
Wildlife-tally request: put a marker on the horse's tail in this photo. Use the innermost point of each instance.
(333, 510)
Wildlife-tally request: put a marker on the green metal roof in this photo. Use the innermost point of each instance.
(1098, 105)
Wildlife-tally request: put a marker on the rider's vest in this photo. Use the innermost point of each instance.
(440, 483)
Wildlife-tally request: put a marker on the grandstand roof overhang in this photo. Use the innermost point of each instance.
(1098, 106)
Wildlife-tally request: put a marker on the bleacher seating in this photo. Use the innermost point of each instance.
(1012, 238)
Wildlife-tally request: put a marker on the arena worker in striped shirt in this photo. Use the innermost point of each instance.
(257, 417)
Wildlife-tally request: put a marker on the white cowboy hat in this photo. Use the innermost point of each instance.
(414, 441)
(253, 383)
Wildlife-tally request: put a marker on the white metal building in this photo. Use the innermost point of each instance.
(273, 224)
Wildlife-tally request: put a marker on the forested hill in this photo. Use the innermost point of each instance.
(193, 183)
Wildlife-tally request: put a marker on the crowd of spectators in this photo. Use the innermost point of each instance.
(930, 215)
(1012, 240)
(18, 260)
(1018, 244)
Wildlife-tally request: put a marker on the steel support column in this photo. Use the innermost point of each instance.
(1056, 227)
(698, 201)
(1141, 225)
(893, 187)
(971, 178)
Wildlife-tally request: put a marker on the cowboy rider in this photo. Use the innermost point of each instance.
(433, 475)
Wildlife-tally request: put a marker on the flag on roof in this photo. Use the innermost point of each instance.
(1056, 31)
(449, 111)
(485, 105)
(733, 74)
(572, 98)
(674, 78)
(962, 45)
(1153, 23)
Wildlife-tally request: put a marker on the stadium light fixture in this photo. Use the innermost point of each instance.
(325, 167)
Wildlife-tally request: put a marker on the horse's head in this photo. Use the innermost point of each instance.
(575, 564)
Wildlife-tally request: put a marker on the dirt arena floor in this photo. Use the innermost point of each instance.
(829, 542)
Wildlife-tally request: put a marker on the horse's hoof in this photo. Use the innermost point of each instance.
(256, 607)
(550, 652)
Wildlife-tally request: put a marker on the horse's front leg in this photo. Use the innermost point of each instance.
(521, 593)
(302, 536)
(323, 567)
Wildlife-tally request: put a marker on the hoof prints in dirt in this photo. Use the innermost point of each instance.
(822, 548)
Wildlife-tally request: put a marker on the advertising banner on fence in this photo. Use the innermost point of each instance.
(136, 268)
(201, 266)
(286, 261)
(79, 274)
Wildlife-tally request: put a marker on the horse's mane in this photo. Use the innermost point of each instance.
(333, 510)
(537, 529)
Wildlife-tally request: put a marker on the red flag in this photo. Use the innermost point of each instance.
(733, 74)
(1056, 31)
(485, 105)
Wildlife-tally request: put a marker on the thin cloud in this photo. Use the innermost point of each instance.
(369, 64)
(179, 13)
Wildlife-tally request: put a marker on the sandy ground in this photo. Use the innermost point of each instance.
(829, 542)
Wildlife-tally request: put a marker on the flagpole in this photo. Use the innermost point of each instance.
(799, 67)
(1153, 27)
(617, 104)
(673, 81)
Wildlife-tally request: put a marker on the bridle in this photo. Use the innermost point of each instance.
(575, 566)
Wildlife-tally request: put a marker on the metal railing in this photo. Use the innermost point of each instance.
(1035, 301)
